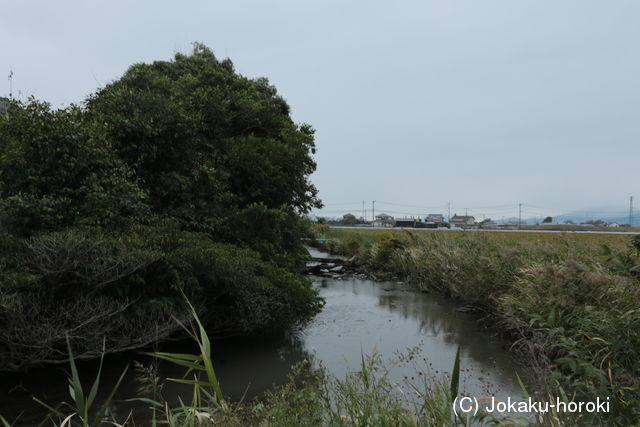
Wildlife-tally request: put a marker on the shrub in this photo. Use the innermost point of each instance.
(123, 286)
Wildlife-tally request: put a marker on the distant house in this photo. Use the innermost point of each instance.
(4, 105)
(462, 220)
(613, 224)
(437, 218)
(435, 221)
(384, 220)
(406, 222)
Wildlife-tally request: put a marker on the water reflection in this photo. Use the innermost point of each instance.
(359, 316)
(386, 317)
(244, 366)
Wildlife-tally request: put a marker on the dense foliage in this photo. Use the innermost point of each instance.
(206, 142)
(181, 173)
(57, 170)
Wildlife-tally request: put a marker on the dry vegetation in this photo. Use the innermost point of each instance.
(568, 302)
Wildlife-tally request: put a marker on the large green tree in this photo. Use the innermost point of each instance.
(207, 142)
(181, 173)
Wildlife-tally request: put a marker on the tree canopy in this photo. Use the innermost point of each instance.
(57, 169)
(198, 141)
(180, 173)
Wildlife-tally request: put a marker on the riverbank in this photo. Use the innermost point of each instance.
(408, 339)
(568, 303)
(367, 393)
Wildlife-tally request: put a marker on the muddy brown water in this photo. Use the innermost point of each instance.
(360, 316)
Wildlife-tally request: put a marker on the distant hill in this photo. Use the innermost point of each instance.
(580, 217)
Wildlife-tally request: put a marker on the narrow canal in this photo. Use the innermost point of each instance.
(360, 316)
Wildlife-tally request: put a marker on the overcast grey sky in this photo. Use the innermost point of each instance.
(483, 103)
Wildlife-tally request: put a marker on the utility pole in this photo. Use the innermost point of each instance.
(466, 211)
(10, 83)
(519, 216)
(373, 213)
(364, 217)
(631, 211)
(449, 207)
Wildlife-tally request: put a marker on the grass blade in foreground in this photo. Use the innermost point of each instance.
(82, 405)
(455, 376)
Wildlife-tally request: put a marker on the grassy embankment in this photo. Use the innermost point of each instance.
(568, 302)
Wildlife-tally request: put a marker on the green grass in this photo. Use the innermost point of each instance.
(568, 302)
(369, 236)
(83, 405)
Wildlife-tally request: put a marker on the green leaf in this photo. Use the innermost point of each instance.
(100, 414)
(455, 376)
(96, 382)
(75, 389)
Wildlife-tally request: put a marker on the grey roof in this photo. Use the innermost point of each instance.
(462, 218)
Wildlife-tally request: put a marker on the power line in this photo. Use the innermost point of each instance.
(519, 215)
(341, 204)
(373, 213)
(524, 210)
(411, 206)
